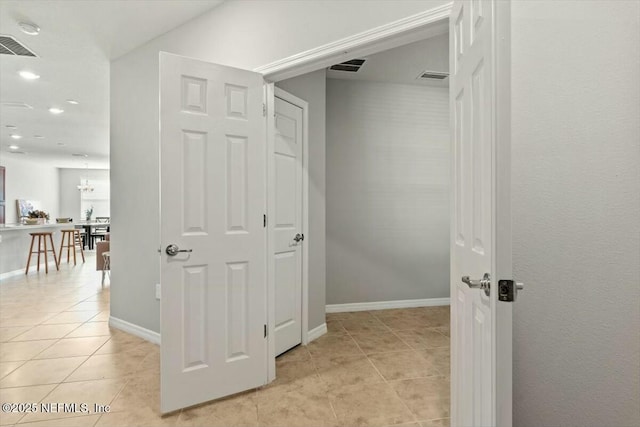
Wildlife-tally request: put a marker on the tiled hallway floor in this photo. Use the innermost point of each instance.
(381, 368)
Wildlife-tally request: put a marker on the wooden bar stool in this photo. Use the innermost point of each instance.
(42, 237)
(73, 239)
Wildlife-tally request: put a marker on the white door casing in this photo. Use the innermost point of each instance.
(213, 306)
(477, 340)
(285, 222)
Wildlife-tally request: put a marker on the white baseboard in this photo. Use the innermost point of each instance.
(138, 331)
(384, 305)
(33, 269)
(12, 273)
(316, 332)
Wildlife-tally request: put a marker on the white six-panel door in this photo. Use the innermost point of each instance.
(213, 156)
(473, 228)
(286, 223)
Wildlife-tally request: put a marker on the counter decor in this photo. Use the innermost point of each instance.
(36, 217)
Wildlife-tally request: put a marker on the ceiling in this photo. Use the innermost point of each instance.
(404, 64)
(78, 38)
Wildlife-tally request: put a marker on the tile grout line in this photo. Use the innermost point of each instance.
(57, 385)
(315, 368)
(414, 350)
(386, 381)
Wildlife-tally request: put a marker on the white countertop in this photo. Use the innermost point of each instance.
(12, 227)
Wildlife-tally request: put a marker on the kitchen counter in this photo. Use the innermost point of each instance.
(15, 242)
(12, 227)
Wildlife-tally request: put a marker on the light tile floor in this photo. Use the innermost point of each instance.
(379, 368)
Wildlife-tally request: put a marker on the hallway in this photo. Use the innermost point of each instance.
(388, 367)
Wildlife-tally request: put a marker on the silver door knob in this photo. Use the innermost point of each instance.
(484, 283)
(299, 237)
(172, 250)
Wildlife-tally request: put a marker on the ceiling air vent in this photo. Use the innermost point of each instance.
(10, 46)
(10, 104)
(437, 75)
(351, 66)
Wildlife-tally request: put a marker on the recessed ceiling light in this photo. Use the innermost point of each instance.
(72, 101)
(56, 110)
(38, 136)
(13, 147)
(11, 126)
(29, 75)
(29, 28)
(14, 136)
(79, 155)
(61, 144)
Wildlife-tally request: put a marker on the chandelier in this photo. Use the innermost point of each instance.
(85, 187)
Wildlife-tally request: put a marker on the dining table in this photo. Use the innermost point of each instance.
(88, 227)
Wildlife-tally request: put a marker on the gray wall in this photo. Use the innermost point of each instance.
(70, 200)
(245, 34)
(576, 213)
(312, 88)
(70, 197)
(29, 179)
(387, 192)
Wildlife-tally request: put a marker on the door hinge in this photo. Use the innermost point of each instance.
(264, 220)
(265, 331)
(264, 110)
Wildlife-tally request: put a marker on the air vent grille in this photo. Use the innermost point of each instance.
(10, 104)
(437, 75)
(10, 46)
(351, 66)
(5, 51)
(357, 62)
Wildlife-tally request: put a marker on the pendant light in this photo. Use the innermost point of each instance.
(86, 187)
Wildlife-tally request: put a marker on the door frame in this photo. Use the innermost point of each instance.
(273, 92)
(401, 32)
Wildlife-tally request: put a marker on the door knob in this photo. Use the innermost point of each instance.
(299, 237)
(172, 250)
(484, 283)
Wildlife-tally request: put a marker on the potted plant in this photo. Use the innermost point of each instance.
(88, 213)
(37, 217)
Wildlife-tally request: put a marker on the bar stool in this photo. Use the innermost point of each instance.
(42, 236)
(71, 234)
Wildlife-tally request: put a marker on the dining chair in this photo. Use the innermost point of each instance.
(99, 231)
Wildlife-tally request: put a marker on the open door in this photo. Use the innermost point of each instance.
(213, 305)
(480, 229)
(285, 219)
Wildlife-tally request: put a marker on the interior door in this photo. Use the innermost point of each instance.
(480, 324)
(287, 223)
(213, 268)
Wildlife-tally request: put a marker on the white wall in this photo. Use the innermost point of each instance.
(312, 88)
(576, 212)
(69, 194)
(244, 34)
(71, 200)
(31, 180)
(387, 192)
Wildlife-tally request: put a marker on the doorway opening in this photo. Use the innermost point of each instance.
(386, 126)
(475, 180)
